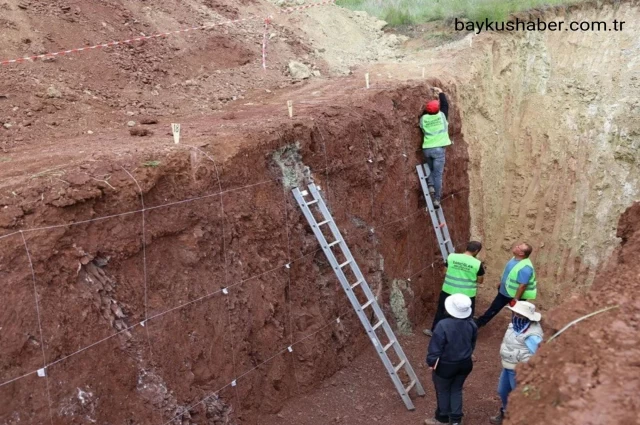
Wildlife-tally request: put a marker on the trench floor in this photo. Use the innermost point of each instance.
(362, 393)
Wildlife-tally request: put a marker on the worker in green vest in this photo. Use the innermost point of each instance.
(435, 129)
(518, 283)
(463, 274)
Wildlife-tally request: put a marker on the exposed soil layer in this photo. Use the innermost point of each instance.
(590, 374)
(96, 278)
(551, 120)
(216, 212)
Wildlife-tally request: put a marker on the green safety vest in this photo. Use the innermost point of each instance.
(436, 131)
(462, 275)
(512, 281)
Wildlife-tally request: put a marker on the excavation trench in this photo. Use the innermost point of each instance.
(229, 275)
(213, 272)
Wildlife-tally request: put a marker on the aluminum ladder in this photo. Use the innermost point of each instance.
(367, 298)
(437, 215)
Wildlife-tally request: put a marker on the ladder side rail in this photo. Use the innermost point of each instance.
(345, 249)
(379, 314)
(353, 299)
(445, 231)
(402, 356)
(432, 212)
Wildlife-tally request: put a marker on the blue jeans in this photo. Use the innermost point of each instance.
(506, 384)
(435, 160)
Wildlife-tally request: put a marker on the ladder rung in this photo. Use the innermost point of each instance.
(334, 243)
(315, 201)
(389, 345)
(441, 225)
(411, 385)
(367, 304)
(447, 241)
(380, 323)
(356, 284)
(344, 264)
(324, 222)
(397, 368)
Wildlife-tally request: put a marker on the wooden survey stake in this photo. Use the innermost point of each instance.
(366, 79)
(175, 129)
(290, 107)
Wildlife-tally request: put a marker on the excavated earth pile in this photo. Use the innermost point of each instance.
(96, 278)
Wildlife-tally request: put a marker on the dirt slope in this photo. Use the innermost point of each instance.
(187, 74)
(590, 374)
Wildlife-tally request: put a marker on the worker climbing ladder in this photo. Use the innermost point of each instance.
(437, 215)
(364, 298)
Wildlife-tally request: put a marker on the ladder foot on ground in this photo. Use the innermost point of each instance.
(367, 299)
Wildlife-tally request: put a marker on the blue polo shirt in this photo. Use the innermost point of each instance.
(523, 275)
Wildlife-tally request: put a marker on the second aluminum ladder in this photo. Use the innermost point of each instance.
(437, 215)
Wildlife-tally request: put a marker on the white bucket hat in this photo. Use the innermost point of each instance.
(527, 310)
(458, 306)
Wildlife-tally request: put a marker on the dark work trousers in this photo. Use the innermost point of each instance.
(448, 380)
(441, 312)
(498, 304)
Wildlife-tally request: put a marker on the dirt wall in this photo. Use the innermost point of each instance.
(131, 320)
(551, 121)
(590, 373)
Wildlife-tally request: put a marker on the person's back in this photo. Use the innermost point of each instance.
(449, 356)
(435, 129)
(458, 338)
(462, 274)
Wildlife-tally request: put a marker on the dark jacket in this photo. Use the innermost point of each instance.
(453, 341)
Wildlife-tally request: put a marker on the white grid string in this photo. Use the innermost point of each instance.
(284, 350)
(220, 193)
(183, 305)
(35, 295)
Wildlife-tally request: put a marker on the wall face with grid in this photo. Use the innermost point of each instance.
(194, 290)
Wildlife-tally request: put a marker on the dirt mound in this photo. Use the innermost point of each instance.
(590, 374)
(186, 74)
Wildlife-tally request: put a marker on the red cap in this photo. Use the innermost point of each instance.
(432, 107)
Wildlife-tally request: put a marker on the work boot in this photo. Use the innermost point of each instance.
(427, 332)
(433, 421)
(497, 420)
(436, 203)
(432, 190)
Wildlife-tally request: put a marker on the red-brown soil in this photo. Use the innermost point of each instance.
(68, 157)
(590, 374)
(362, 394)
(98, 91)
(90, 277)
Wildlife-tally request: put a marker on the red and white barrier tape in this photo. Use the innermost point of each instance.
(149, 37)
